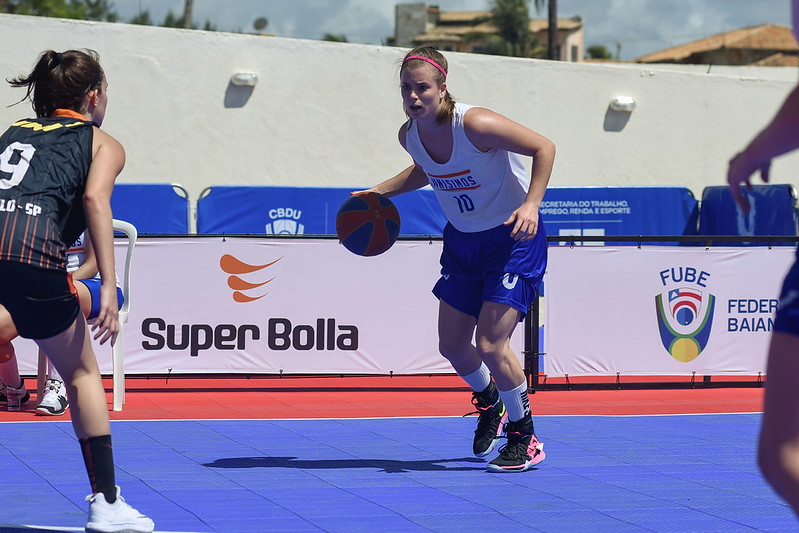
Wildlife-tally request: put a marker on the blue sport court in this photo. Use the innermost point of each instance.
(667, 472)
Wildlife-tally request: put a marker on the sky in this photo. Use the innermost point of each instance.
(630, 28)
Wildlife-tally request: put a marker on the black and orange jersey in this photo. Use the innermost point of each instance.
(44, 163)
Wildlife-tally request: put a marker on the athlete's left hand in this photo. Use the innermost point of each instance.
(524, 221)
(742, 167)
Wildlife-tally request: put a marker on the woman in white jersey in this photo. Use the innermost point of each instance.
(495, 247)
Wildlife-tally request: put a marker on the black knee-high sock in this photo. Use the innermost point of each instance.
(99, 460)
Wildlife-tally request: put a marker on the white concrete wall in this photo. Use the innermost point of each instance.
(327, 114)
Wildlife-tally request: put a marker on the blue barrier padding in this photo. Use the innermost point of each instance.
(301, 210)
(152, 207)
(599, 211)
(269, 210)
(420, 213)
(772, 212)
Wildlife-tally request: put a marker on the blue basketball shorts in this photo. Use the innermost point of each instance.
(490, 266)
(42, 303)
(93, 284)
(787, 318)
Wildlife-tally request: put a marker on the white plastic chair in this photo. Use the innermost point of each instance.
(118, 350)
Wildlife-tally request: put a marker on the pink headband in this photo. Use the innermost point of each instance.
(423, 58)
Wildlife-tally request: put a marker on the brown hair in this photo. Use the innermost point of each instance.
(61, 80)
(437, 58)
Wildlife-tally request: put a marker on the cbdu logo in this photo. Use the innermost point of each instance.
(685, 312)
(285, 222)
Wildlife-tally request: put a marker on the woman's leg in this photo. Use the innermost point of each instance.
(778, 452)
(9, 372)
(85, 301)
(12, 386)
(72, 354)
(455, 331)
(54, 401)
(84, 297)
(494, 328)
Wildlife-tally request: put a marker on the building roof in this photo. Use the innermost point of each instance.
(779, 60)
(462, 17)
(573, 23)
(453, 25)
(763, 37)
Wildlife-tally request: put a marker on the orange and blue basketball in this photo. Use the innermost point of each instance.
(368, 224)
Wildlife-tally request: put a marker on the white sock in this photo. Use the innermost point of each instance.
(52, 373)
(479, 379)
(516, 402)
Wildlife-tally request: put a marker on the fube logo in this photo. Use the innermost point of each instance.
(244, 291)
(684, 312)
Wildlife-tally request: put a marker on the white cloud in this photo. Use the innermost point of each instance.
(644, 26)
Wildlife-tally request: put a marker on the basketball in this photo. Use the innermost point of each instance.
(367, 224)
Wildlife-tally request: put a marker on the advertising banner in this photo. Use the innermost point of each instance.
(293, 306)
(595, 211)
(661, 311)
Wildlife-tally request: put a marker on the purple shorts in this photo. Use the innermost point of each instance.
(490, 266)
(787, 318)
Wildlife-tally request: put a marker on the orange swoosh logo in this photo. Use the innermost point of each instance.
(238, 284)
(234, 266)
(231, 265)
(242, 298)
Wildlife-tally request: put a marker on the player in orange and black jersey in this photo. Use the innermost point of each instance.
(40, 213)
(50, 153)
(57, 172)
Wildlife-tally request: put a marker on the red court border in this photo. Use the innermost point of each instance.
(273, 397)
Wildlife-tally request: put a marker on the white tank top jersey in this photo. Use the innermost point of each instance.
(76, 255)
(477, 190)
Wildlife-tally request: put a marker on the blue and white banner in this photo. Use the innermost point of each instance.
(661, 311)
(302, 210)
(596, 211)
(270, 306)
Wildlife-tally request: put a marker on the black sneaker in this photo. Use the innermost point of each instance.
(521, 452)
(489, 424)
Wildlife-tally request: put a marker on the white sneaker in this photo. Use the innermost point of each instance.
(54, 401)
(115, 517)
